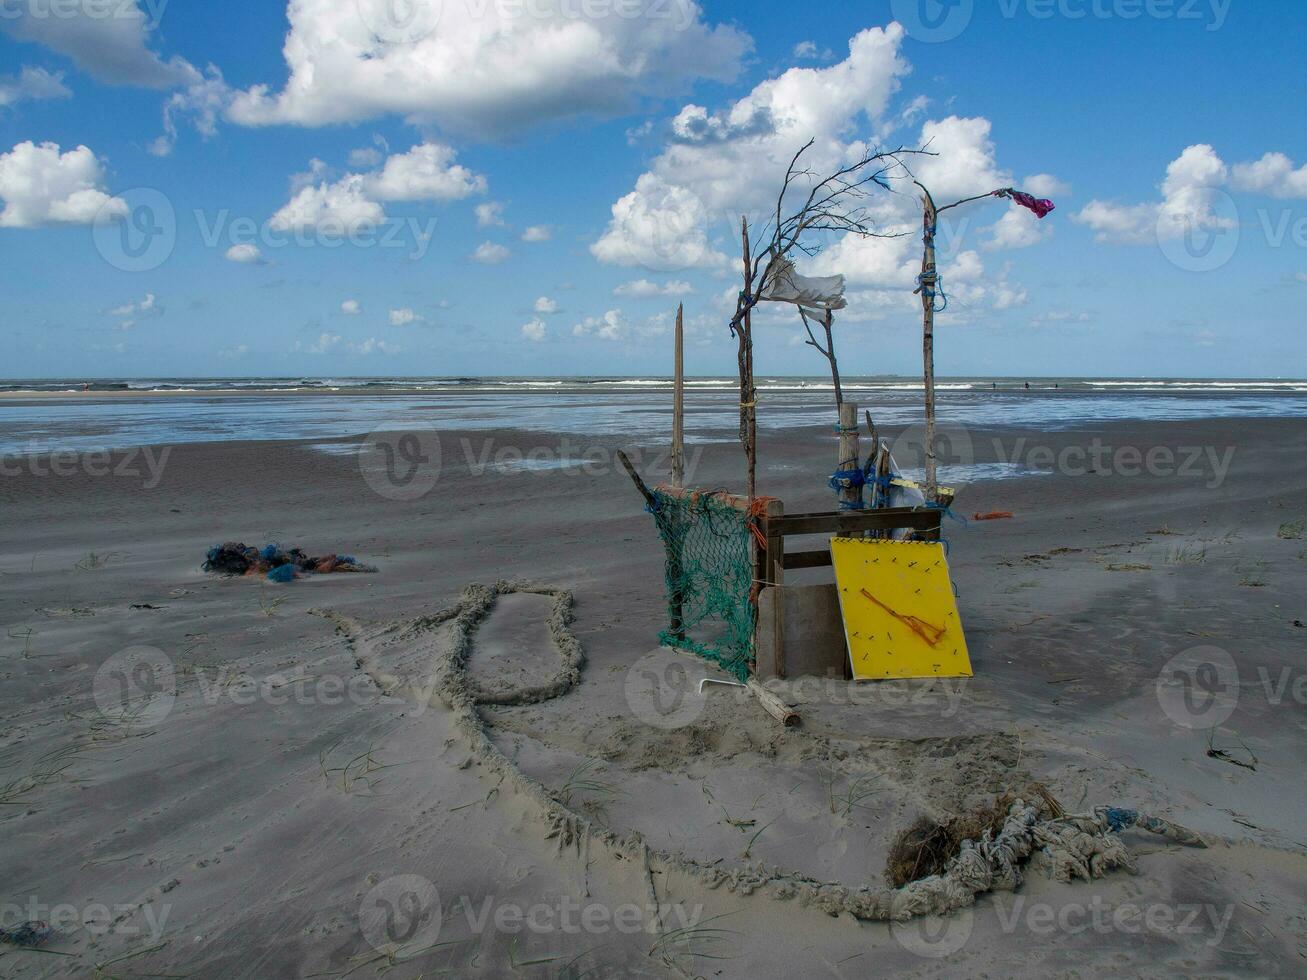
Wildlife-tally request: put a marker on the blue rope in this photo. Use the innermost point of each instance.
(853, 479)
(933, 290)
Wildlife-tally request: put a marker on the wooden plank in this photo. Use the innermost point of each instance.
(807, 559)
(851, 522)
(685, 493)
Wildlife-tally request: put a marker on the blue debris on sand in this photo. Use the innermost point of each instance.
(278, 564)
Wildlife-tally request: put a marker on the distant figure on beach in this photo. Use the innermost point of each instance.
(1027, 386)
(86, 386)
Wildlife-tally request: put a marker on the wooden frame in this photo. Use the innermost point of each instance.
(772, 561)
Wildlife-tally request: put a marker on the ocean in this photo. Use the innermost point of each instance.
(67, 415)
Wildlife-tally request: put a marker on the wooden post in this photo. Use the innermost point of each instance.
(678, 403)
(748, 394)
(928, 285)
(849, 453)
(774, 578)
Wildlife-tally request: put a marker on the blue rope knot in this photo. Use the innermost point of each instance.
(1119, 818)
(853, 479)
(932, 285)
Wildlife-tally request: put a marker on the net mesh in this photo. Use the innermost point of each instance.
(709, 576)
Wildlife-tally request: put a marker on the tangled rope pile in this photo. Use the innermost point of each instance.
(1082, 846)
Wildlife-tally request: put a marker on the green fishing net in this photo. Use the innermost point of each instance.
(709, 577)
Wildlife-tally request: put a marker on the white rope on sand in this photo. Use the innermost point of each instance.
(1082, 846)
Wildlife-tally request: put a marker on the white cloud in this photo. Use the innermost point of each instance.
(535, 330)
(204, 99)
(404, 317)
(135, 310)
(718, 165)
(108, 41)
(351, 307)
(325, 343)
(31, 85)
(494, 69)
(537, 233)
(1273, 174)
(1189, 197)
(1045, 185)
(545, 306)
(489, 214)
(374, 346)
(641, 288)
(427, 172)
(245, 254)
(1018, 228)
(240, 350)
(611, 326)
(39, 185)
(488, 253)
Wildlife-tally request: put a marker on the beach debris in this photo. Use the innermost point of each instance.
(994, 515)
(28, 935)
(278, 564)
(1067, 846)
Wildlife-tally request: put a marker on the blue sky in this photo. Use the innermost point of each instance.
(531, 190)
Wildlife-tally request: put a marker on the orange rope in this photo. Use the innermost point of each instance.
(918, 626)
(754, 515)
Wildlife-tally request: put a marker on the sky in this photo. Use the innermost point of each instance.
(530, 187)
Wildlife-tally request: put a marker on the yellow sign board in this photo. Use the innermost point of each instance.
(900, 615)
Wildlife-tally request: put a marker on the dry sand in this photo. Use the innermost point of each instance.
(302, 779)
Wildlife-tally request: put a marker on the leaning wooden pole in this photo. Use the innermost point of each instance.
(678, 403)
(928, 286)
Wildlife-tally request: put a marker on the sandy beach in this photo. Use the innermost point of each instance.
(301, 775)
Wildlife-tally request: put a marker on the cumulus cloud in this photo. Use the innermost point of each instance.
(245, 254)
(545, 306)
(1189, 198)
(494, 69)
(1273, 174)
(535, 330)
(351, 307)
(32, 85)
(403, 317)
(718, 165)
(643, 288)
(611, 326)
(537, 233)
(40, 185)
(488, 253)
(427, 172)
(107, 41)
(489, 214)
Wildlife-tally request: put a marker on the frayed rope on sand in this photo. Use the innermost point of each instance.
(1081, 846)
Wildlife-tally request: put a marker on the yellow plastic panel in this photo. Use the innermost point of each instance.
(900, 616)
